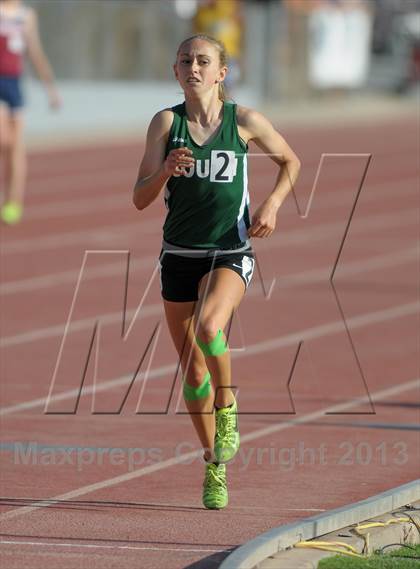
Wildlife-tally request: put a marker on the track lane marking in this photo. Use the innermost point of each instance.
(75, 237)
(310, 276)
(105, 546)
(95, 204)
(291, 339)
(319, 232)
(258, 433)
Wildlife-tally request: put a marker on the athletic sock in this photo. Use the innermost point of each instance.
(211, 461)
(227, 407)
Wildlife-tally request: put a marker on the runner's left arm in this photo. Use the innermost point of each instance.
(262, 132)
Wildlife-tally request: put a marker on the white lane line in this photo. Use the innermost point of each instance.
(311, 276)
(79, 207)
(292, 509)
(75, 183)
(88, 237)
(87, 206)
(65, 277)
(77, 326)
(259, 433)
(317, 232)
(292, 339)
(105, 546)
(65, 239)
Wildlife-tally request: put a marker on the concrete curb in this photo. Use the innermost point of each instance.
(269, 543)
(364, 541)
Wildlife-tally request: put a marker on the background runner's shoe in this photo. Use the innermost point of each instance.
(226, 442)
(215, 494)
(11, 213)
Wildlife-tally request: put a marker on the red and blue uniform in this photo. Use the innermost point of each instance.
(12, 48)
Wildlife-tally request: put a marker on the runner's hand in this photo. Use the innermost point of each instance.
(263, 220)
(177, 160)
(54, 99)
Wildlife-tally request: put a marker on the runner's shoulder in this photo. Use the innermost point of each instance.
(251, 121)
(162, 121)
(248, 117)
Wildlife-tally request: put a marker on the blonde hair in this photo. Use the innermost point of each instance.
(223, 58)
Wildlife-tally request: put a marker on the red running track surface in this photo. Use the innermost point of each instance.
(327, 374)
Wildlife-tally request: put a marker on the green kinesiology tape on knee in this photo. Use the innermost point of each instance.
(216, 347)
(193, 393)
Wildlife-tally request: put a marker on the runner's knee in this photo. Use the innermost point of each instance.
(208, 329)
(195, 373)
(215, 347)
(200, 389)
(6, 141)
(5, 131)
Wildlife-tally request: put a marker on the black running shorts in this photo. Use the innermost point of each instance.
(180, 275)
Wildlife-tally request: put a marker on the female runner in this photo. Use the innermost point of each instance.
(198, 149)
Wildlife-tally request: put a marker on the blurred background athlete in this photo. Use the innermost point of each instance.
(18, 33)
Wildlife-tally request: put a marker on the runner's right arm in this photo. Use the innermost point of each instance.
(154, 170)
(39, 59)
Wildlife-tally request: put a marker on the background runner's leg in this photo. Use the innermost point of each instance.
(17, 160)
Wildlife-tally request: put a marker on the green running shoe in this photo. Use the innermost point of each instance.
(11, 213)
(226, 441)
(215, 494)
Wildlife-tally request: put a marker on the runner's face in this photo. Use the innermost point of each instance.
(198, 66)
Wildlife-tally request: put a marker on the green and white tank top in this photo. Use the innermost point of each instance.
(209, 206)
